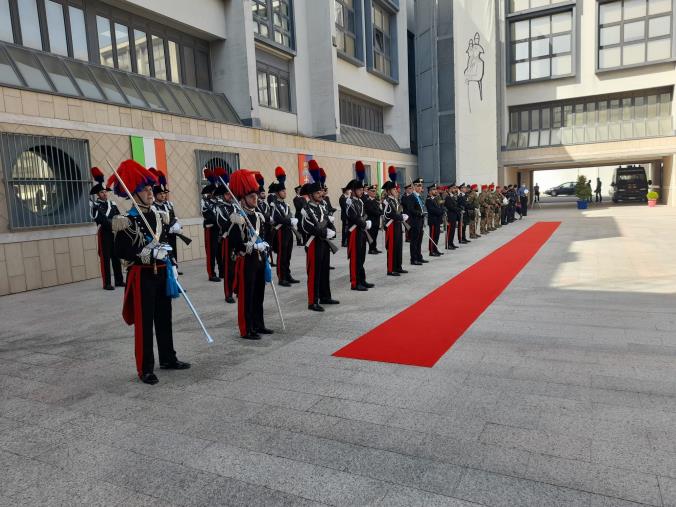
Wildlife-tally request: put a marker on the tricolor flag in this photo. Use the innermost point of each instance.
(149, 152)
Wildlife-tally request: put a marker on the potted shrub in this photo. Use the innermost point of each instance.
(582, 192)
(652, 198)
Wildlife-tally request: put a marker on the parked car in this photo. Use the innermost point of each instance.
(563, 189)
(629, 184)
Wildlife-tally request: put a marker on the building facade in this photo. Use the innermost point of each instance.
(182, 86)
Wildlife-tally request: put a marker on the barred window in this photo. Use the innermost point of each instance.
(213, 159)
(359, 113)
(633, 32)
(46, 180)
(273, 20)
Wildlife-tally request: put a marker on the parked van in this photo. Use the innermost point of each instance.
(629, 184)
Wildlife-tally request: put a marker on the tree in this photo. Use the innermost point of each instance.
(581, 189)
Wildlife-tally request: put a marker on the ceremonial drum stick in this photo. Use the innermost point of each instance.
(157, 239)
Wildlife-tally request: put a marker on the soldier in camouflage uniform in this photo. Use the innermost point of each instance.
(473, 204)
(483, 208)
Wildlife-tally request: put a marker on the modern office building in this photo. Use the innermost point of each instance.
(182, 85)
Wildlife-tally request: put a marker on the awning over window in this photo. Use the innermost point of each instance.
(367, 138)
(44, 72)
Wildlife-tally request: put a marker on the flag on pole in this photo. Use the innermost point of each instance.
(149, 152)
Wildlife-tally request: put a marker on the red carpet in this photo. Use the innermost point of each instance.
(406, 339)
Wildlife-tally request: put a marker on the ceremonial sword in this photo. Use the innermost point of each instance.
(423, 227)
(157, 239)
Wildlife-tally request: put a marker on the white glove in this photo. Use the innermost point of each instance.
(368, 224)
(348, 201)
(161, 252)
(294, 222)
(405, 217)
(330, 234)
(176, 228)
(331, 219)
(261, 246)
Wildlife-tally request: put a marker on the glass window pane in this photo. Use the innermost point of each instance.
(614, 131)
(56, 26)
(614, 110)
(78, 33)
(610, 35)
(5, 22)
(274, 97)
(562, 22)
(562, 65)
(539, 26)
(610, 12)
(609, 58)
(652, 106)
(168, 98)
(105, 41)
(545, 118)
(659, 50)
(105, 81)
(603, 112)
(665, 104)
(539, 68)
(535, 120)
(658, 6)
(633, 53)
(634, 9)
(639, 128)
(7, 74)
(513, 121)
(524, 121)
(202, 110)
(158, 57)
(591, 113)
(29, 68)
(634, 31)
(284, 95)
(202, 69)
(84, 79)
(520, 71)
(556, 116)
(518, 5)
(520, 30)
(189, 66)
(262, 88)
(590, 134)
(533, 139)
(579, 114)
(174, 62)
(523, 140)
(578, 135)
(539, 47)
(183, 101)
(567, 135)
(141, 49)
(544, 138)
(512, 140)
(148, 92)
(122, 47)
(659, 26)
(627, 110)
(30, 24)
(132, 94)
(555, 137)
(58, 74)
(520, 51)
(568, 116)
(639, 108)
(214, 105)
(561, 44)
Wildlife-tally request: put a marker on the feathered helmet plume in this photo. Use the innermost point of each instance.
(280, 174)
(220, 174)
(314, 169)
(322, 176)
(243, 182)
(135, 177)
(360, 170)
(392, 173)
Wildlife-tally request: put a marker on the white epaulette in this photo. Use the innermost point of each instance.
(120, 223)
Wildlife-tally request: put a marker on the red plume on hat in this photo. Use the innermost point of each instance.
(322, 176)
(135, 177)
(97, 174)
(220, 174)
(243, 182)
(392, 173)
(209, 175)
(360, 170)
(314, 169)
(280, 174)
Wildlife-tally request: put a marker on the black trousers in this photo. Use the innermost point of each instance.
(344, 233)
(156, 313)
(356, 252)
(599, 197)
(394, 243)
(214, 254)
(106, 241)
(373, 232)
(435, 232)
(250, 292)
(415, 235)
(524, 206)
(228, 268)
(451, 228)
(173, 243)
(284, 248)
(317, 264)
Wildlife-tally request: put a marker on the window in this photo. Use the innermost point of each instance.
(541, 47)
(634, 32)
(346, 39)
(30, 24)
(105, 41)
(212, 160)
(645, 113)
(6, 32)
(382, 52)
(141, 50)
(46, 180)
(174, 62)
(273, 20)
(523, 5)
(56, 26)
(359, 113)
(273, 88)
(159, 61)
(122, 47)
(78, 33)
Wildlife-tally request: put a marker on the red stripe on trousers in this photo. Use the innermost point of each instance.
(99, 234)
(279, 254)
(132, 312)
(241, 295)
(352, 254)
(227, 290)
(390, 247)
(311, 296)
(207, 248)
